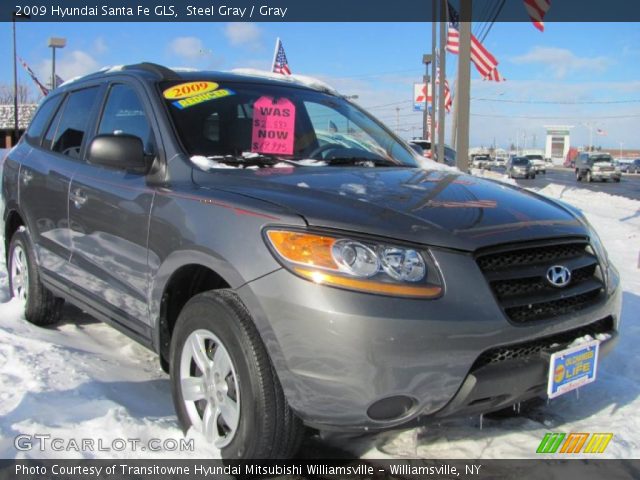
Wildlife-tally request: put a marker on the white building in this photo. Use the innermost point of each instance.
(557, 143)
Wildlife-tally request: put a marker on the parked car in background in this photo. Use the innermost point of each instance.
(592, 166)
(630, 166)
(480, 161)
(501, 161)
(424, 146)
(417, 148)
(520, 167)
(538, 163)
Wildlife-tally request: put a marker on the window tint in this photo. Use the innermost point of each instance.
(39, 122)
(73, 124)
(53, 128)
(124, 113)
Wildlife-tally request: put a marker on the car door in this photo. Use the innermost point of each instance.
(45, 174)
(109, 218)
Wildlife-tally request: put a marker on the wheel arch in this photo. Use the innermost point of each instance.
(12, 222)
(180, 277)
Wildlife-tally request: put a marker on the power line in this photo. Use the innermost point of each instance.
(557, 102)
(493, 20)
(378, 74)
(599, 117)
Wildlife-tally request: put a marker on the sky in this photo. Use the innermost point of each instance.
(585, 75)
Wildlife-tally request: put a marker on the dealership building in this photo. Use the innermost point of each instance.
(7, 122)
(558, 142)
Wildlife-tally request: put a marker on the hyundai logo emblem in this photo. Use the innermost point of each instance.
(559, 276)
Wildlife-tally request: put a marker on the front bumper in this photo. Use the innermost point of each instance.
(605, 175)
(339, 353)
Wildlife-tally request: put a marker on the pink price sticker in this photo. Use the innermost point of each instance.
(273, 126)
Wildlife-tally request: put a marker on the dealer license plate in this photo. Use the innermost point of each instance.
(572, 368)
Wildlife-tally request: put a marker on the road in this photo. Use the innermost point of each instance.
(628, 187)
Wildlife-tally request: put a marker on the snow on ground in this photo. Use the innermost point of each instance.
(82, 379)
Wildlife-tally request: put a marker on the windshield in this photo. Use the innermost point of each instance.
(534, 157)
(602, 159)
(520, 161)
(241, 122)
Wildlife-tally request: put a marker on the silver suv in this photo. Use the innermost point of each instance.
(288, 261)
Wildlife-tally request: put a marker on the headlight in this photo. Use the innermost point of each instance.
(356, 264)
(601, 252)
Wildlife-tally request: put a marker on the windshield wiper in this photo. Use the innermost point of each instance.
(240, 161)
(362, 161)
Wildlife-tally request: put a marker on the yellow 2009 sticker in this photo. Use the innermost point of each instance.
(186, 90)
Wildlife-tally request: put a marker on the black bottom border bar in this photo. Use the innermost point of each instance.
(123, 469)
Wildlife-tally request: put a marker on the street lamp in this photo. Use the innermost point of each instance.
(55, 42)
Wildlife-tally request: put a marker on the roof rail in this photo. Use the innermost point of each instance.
(161, 71)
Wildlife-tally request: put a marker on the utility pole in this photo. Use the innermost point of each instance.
(441, 59)
(454, 116)
(426, 59)
(463, 92)
(434, 26)
(16, 135)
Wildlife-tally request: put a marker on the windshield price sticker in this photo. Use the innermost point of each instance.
(202, 97)
(273, 126)
(185, 90)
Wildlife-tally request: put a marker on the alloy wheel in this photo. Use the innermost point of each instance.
(19, 274)
(209, 387)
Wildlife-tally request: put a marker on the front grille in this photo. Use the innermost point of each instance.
(517, 275)
(530, 349)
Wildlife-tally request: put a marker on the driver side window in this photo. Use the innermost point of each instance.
(66, 136)
(124, 114)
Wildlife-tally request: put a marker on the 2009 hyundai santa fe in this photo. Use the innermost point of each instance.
(290, 261)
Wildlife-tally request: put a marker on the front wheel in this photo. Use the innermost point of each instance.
(40, 306)
(223, 383)
(589, 177)
(578, 176)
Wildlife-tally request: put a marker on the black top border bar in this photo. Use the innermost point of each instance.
(304, 10)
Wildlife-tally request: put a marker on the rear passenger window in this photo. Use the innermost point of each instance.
(124, 114)
(72, 126)
(39, 122)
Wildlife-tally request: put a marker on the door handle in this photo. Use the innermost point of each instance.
(78, 198)
(27, 176)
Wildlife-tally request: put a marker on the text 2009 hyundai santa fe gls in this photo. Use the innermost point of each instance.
(290, 262)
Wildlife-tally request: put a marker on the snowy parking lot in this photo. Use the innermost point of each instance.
(82, 379)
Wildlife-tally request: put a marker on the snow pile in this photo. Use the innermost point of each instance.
(84, 379)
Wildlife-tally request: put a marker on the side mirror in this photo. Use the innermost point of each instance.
(119, 152)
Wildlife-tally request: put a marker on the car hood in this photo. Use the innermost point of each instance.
(432, 207)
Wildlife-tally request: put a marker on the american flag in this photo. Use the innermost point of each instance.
(599, 131)
(280, 64)
(495, 76)
(536, 10)
(43, 89)
(481, 57)
(59, 81)
(447, 91)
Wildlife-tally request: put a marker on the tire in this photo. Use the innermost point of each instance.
(41, 308)
(589, 177)
(544, 172)
(578, 176)
(616, 179)
(263, 425)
